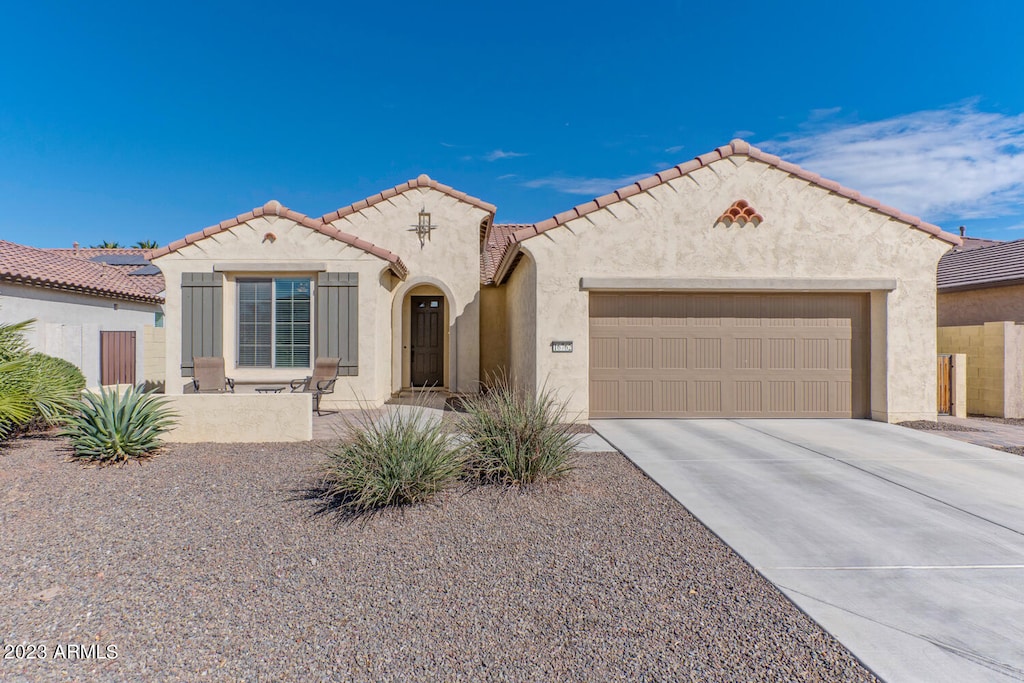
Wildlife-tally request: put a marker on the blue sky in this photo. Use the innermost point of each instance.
(129, 121)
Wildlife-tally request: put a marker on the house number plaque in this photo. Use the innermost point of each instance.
(561, 347)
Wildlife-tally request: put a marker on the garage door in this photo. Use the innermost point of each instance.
(729, 355)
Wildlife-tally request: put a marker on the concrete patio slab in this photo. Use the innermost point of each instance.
(907, 546)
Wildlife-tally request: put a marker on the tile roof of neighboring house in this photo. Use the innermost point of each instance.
(733, 148)
(497, 243)
(274, 208)
(977, 242)
(149, 278)
(992, 266)
(423, 180)
(55, 270)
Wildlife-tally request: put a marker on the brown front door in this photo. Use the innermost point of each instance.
(117, 358)
(427, 349)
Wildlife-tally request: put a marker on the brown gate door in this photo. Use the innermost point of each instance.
(945, 384)
(427, 347)
(729, 355)
(117, 358)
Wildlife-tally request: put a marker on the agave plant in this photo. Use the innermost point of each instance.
(112, 427)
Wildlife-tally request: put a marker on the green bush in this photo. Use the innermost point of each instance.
(112, 427)
(34, 388)
(515, 438)
(396, 458)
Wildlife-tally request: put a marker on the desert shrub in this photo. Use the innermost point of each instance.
(35, 389)
(12, 340)
(112, 427)
(514, 437)
(399, 457)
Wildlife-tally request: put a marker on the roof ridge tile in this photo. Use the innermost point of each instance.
(274, 207)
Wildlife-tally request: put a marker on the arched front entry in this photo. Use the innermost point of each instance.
(424, 353)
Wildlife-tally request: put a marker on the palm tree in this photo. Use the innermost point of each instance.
(146, 244)
(106, 244)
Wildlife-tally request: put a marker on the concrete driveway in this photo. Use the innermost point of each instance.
(907, 546)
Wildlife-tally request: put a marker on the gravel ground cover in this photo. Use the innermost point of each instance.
(212, 562)
(934, 426)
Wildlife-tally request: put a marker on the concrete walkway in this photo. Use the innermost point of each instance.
(989, 432)
(906, 545)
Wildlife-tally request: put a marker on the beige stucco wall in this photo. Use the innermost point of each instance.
(448, 263)
(670, 231)
(449, 260)
(68, 324)
(995, 365)
(241, 418)
(154, 365)
(293, 249)
(523, 333)
(494, 333)
(978, 306)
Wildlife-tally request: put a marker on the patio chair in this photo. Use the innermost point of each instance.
(321, 382)
(209, 378)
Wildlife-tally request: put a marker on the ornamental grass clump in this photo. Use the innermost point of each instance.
(516, 438)
(400, 457)
(113, 427)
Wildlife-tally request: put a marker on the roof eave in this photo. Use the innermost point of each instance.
(92, 291)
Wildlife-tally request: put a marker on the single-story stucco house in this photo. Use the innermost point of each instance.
(93, 307)
(733, 285)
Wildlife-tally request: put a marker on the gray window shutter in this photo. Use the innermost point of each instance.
(202, 318)
(337, 320)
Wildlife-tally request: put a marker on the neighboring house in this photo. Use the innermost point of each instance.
(89, 313)
(980, 314)
(969, 243)
(982, 285)
(734, 285)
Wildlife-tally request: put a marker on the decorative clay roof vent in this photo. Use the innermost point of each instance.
(741, 212)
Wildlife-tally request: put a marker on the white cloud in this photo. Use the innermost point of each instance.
(948, 163)
(743, 134)
(675, 149)
(591, 187)
(502, 154)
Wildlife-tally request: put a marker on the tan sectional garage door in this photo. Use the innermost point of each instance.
(729, 355)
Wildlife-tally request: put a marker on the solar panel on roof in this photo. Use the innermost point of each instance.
(149, 269)
(120, 259)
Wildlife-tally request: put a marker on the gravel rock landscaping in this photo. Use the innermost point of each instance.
(935, 426)
(213, 561)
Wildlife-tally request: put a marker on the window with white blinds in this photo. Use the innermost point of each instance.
(274, 323)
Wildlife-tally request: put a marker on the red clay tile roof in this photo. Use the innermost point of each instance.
(274, 208)
(49, 268)
(733, 148)
(740, 212)
(422, 181)
(995, 265)
(149, 282)
(497, 243)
